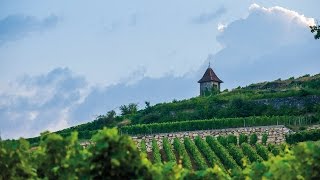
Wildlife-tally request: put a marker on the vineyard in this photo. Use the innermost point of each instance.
(199, 154)
(222, 123)
(114, 156)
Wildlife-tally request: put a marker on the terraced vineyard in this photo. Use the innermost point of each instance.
(209, 124)
(199, 154)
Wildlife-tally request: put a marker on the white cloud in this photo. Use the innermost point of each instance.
(221, 27)
(285, 13)
(33, 104)
(268, 44)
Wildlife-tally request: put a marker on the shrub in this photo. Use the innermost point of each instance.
(15, 163)
(156, 152)
(183, 155)
(195, 154)
(222, 153)
(262, 151)
(253, 139)
(211, 157)
(264, 138)
(168, 150)
(274, 149)
(250, 152)
(222, 140)
(307, 135)
(237, 154)
(232, 139)
(243, 139)
(209, 124)
(115, 157)
(143, 146)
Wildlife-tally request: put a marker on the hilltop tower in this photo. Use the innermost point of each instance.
(209, 82)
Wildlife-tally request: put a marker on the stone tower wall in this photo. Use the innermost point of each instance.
(207, 86)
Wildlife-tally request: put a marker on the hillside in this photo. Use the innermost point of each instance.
(290, 97)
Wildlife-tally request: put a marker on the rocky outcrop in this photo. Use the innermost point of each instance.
(276, 134)
(297, 101)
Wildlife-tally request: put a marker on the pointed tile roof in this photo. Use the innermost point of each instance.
(209, 76)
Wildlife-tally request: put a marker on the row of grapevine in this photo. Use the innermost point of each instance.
(250, 152)
(182, 153)
(262, 151)
(236, 153)
(275, 150)
(168, 150)
(307, 135)
(210, 124)
(195, 154)
(156, 152)
(143, 146)
(222, 153)
(209, 154)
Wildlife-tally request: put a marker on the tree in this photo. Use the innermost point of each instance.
(315, 29)
(132, 108)
(111, 114)
(253, 139)
(147, 104)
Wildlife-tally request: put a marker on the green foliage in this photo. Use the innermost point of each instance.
(130, 109)
(316, 30)
(111, 156)
(210, 92)
(143, 146)
(156, 152)
(168, 150)
(264, 138)
(243, 139)
(182, 153)
(262, 151)
(232, 139)
(59, 157)
(223, 140)
(303, 162)
(209, 154)
(253, 139)
(210, 124)
(275, 150)
(210, 173)
(15, 160)
(115, 157)
(250, 152)
(237, 154)
(195, 153)
(307, 135)
(222, 153)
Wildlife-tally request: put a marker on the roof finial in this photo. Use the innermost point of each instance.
(209, 65)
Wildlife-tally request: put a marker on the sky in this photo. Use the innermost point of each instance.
(62, 63)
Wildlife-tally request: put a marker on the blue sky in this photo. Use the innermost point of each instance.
(62, 63)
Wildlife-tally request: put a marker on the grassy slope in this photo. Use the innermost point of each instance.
(236, 103)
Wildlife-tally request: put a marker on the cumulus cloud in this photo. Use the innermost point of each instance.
(17, 26)
(60, 99)
(268, 44)
(208, 17)
(37, 103)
